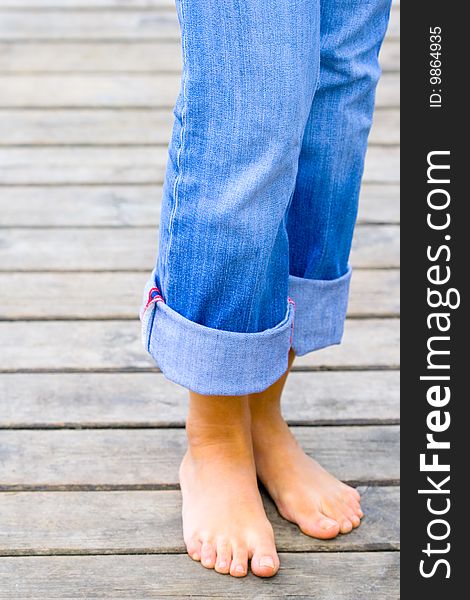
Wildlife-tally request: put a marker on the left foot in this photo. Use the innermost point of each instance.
(303, 491)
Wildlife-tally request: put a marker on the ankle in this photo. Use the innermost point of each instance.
(201, 435)
(217, 420)
(265, 411)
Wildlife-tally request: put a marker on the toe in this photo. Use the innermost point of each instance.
(356, 509)
(224, 556)
(355, 520)
(320, 526)
(351, 514)
(193, 547)
(239, 565)
(265, 561)
(208, 554)
(346, 526)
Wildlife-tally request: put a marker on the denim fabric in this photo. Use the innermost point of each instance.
(261, 189)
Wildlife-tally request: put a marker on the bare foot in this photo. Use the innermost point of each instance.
(224, 521)
(304, 492)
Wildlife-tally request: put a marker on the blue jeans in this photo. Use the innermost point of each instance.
(261, 188)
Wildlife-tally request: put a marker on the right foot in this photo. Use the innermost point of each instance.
(224, 522)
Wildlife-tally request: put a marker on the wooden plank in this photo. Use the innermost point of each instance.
(93, 4)
(375, 343)
(88, 4)
(35, 523)
(42, 400)
(379, 204)
(103, 91)
(105, 249)
(115, 295)
(90, 206)
(145, 458)
(118, 57)
(116, 346)
(390, 55)
(131, 165)
(378, 246)
(27, 25)
(107, 206)
(329, 576)
(146, 126)
(374, 293)
(386, 127)
(110, 57)
(117, 91)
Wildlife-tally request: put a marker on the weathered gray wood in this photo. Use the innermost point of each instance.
(115, 295)
(375, 343)
(329, 576)
(95, 127)
(119, 57)
(132, 165)
(27, 25)
(117, 90)
(135, 248)
(385, 128)
(378, 246)
(139, 458)
(150, 400)
(104, 91)
(92, 206)
(74, 4)
(35, 523)
(379, 204)
(390, 55)
(374, 293)
(116, 346)
(105, 206)
(105, 25)
(90, 4)
(147, 126)
(388, 90)
(111, 57)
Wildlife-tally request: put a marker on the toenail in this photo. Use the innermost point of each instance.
(222, 564)
(207, 561)
(195, 556)
(240, 569)
(266, 561)
(328, 524)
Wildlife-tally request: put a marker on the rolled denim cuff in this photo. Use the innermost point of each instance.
(213, 361)
(320, 311)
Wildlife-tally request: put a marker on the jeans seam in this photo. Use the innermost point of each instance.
(178, 177)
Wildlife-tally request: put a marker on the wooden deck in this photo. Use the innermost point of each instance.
(91, 434)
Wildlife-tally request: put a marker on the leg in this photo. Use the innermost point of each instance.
(216, 315)
(302, 490)
(224, 521)
(320, 225)
(220, 321)
(323, 211)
